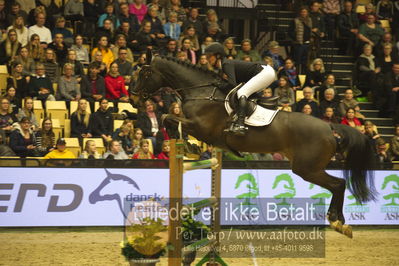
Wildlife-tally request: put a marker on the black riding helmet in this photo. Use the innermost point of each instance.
(215, 49)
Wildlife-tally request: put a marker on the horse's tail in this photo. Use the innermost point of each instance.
(359, 163)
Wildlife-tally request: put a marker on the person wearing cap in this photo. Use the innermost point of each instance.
(255, 76)
(60, 152)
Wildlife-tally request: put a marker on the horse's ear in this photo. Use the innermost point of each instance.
(108, 173)
(148, 57)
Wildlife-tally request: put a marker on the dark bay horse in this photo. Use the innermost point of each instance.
(308, 142)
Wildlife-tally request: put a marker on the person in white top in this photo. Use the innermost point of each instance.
(40, 29)
(22, 31)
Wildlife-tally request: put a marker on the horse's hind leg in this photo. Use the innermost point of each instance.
(336, 186)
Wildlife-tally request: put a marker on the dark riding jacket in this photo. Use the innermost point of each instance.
(240, 71)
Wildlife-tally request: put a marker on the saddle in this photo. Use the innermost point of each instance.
(258, 113)
(270, 103)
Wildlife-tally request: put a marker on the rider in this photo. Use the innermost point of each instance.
(255, 76)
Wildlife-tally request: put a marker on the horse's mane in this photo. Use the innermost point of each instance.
(189, 65)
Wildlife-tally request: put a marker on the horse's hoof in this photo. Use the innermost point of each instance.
(336, 225)
(347, 230)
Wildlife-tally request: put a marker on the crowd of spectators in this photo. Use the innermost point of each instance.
(91, 51)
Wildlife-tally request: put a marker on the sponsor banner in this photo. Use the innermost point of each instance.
(95, 197)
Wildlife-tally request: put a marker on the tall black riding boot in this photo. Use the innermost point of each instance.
(238, 127)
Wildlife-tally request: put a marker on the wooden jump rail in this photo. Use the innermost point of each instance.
(176, 169)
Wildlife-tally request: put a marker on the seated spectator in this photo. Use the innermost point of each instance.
(348, 28)
(137, 138)
(130, 35)
(204, 63)
(206, 155)
(164, 155)
(74, 11)
(206, 42)
(291, 73)
(139, 9)
(229, 47)
(41, 87)
(286, 96)
(107, 30)
(246, 49)
(175, 6)
(125, 66)
(59, 28)
(9, 48)
(371, 132)
(22, 32)
(329, 116)
(172, 29)
(115, 151)
(370, 32)
(386, 59)
(159, 8)
(60, 151)
(170, 50)
(347, 102)
(90, 151)
(22, 140)
(51, 65)
(383, 155)
(188, 49)
(18, 81)
(144, 151)
(36, 51)
(359, 115)
(172, 130)
(120, 42)
(387, 38)
(15, 12)
(80, 121)
(125, 16)
(367, 70)
(350, 119)
(28, 64)
(109, 14)
(156, 23)
(329, 101)
(45, 137)
(27, 111)
(189, 33)
(40, 29)
(395, 144)
(307, 109)
(308, 99)
(315, 75)
(149, 121)
(6, 117)
(5, 150)
(273, 53)
(329, 83)
(384, 10)
(60, 48)
(82, 55)
(115, 85)
(78, 71)
(103, 47)
(102, 122)
(15, 103)
(92, 86)
(211, 22)
(123, 135)
(98, 59)
(68, 86)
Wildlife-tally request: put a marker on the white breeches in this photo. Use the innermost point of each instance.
(261, 81)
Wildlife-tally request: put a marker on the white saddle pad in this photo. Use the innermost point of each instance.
(260, 117)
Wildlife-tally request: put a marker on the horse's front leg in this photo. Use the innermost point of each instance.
(187, 125)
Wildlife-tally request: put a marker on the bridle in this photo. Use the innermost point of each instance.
(146, 95)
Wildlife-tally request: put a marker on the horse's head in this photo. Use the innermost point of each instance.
(149, 80)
